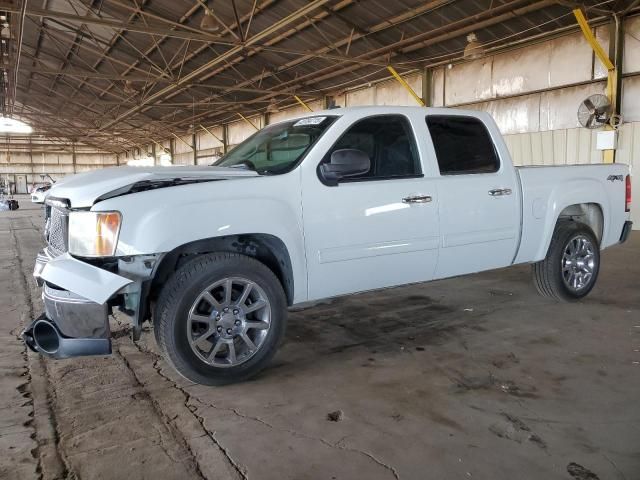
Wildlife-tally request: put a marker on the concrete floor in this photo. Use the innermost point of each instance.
(469, 377)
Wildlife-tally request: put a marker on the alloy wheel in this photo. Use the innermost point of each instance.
(229, 322)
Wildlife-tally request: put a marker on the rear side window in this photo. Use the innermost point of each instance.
(462, 145)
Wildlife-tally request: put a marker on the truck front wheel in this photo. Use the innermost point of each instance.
(220, 318)
(571, 267)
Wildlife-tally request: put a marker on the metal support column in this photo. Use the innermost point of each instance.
(33, 170)
(73, 155)
(616, 49)
(225, 138)
(153, 153)
(194, 145)
(427, 86)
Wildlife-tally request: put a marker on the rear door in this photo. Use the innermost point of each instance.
(479, 205)
(375, 230)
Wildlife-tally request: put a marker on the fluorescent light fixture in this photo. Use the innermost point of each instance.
(11, 125)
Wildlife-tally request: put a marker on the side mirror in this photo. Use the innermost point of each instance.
(347, 162)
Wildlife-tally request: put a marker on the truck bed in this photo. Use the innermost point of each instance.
(601, 188)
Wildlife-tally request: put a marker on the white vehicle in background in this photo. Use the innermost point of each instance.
(332, 203)
(39, 193)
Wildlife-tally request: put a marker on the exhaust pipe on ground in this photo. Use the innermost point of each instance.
(42, 336)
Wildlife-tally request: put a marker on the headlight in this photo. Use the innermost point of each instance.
(93, 234)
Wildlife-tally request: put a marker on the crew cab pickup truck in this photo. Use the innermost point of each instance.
(327, 204)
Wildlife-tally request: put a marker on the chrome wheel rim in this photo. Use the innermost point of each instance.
(578, 263)
(229, 322)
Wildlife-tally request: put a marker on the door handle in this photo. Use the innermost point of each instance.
(417, 199)
(498, 192)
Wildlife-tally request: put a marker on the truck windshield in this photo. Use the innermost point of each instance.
(277, 148)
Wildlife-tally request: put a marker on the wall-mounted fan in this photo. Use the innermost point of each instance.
(595, 111)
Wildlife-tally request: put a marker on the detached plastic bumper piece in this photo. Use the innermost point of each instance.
(71, 326)
(44, 337)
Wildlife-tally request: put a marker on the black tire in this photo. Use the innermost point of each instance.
(548, 274)
(180, 292)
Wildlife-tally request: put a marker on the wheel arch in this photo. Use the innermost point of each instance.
(589, 213)
(267, 249)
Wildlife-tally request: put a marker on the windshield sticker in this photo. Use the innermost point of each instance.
(309, 121)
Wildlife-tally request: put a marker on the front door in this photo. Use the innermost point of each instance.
(375, 230)
(479, 205)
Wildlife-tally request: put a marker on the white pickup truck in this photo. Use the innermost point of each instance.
(327, 204)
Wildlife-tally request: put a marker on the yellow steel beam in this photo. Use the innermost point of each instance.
(247, 120)
(210, 133)
(612, 72)
(299, 100)
(588, 34)
(406, 86)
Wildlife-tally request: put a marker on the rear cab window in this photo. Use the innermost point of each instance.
(462, 145)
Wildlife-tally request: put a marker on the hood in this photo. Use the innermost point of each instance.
(84, 189)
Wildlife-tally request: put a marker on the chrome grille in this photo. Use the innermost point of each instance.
(56, 231)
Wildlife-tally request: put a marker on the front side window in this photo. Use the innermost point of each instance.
(462, 144)
(389, 143)
(277, 148)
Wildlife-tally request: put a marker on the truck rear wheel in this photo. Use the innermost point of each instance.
(571, 267)
(220, 318)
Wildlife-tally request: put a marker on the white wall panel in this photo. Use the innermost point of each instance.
(537, 147)
(183, 158)
(183, 145)
(547, 148)
(559, 148)
(631, 60)
(521, 70)
(516, 115)
(558, 108)
(364, 96)
(468, 82)
(602, 35)
(18, 157)
(437, 87)
(316, 106)
(631, 99)
(570, 60)
(392, 93)
(206, 141)
(292, 112)
(240, 130)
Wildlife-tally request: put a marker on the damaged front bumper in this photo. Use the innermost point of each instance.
(77, 298)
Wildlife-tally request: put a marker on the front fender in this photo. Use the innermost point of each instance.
(161, 220)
